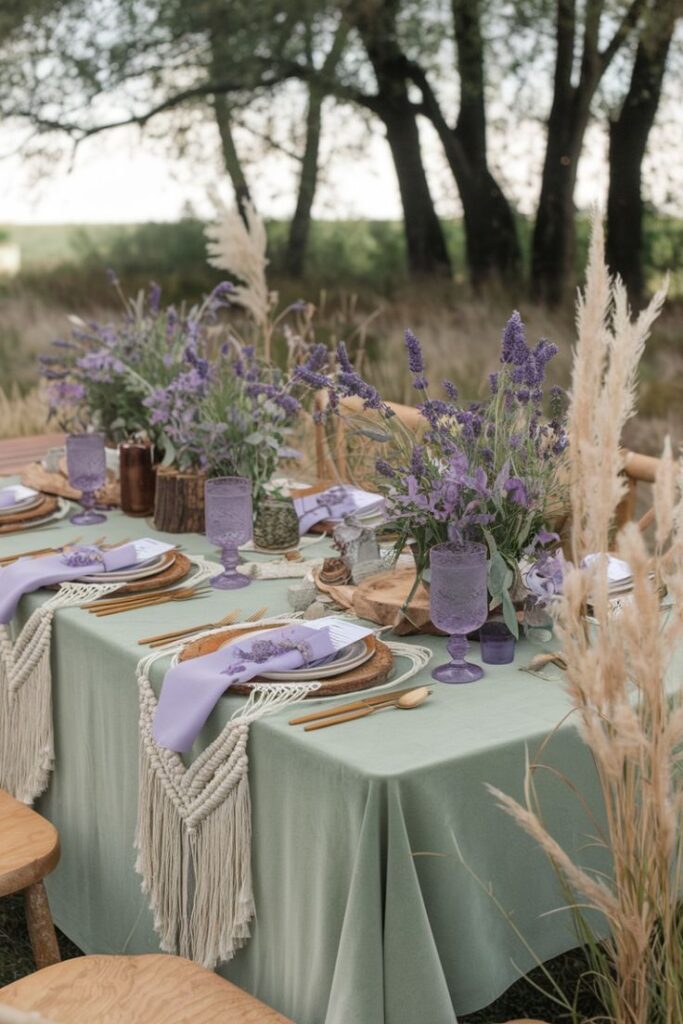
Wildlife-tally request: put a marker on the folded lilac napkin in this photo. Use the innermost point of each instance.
(191, 689)
(28, 574)
(10, 495)
(334, 503)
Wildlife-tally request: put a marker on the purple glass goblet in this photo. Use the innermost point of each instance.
(87, 468)
(229, 523)
(458, 604)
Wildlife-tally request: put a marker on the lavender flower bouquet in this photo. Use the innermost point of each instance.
(208, 406)
(488, 470)
(105, 374)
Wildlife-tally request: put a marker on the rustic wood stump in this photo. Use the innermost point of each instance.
(179, 501)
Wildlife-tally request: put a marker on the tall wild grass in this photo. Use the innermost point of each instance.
(627, 700)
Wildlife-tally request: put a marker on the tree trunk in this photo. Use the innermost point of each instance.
(491, 239)
(425, 243)
(629, 134)
(301, 221)
(230, 156)
(553, 239)
(553, 243)
(427, 252)
(490, 230)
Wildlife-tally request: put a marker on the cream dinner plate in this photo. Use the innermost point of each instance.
(22, 506)
(140, 572)
(350, 657)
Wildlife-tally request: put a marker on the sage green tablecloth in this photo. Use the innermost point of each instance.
(365, 913)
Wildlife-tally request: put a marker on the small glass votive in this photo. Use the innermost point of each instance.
(497, 643)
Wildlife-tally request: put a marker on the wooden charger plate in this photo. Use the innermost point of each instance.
(18, 520)
(374, 672)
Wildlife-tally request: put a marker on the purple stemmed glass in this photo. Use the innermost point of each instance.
(458, 604)
(87, 468)
(229, 523)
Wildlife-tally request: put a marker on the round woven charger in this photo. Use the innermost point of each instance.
(374, 672)
(176, 568)
(46, 507)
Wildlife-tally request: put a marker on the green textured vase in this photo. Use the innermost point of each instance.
(276, 526)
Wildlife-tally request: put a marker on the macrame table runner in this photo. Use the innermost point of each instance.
(193, 835)
(26, 736)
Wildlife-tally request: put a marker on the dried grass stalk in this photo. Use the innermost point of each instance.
(620, 677)
(239, 246)
(22, 415)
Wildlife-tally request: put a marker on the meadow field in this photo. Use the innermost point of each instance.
(358, 284)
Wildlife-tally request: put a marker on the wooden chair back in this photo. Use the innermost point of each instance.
(637, 469)
(333, 461)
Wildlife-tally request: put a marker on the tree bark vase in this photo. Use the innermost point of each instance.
(179, 501)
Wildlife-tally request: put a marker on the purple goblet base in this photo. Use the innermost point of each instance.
(230, 581)
(458, 670)
(230, 578)
(87, 517)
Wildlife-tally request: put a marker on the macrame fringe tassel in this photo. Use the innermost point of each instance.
(26, 737)
(198, 879)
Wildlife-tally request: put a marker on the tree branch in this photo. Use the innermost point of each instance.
(628, 22)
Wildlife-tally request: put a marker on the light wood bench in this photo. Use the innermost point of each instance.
(153, 989)
(29, 850)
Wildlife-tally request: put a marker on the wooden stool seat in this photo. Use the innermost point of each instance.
(29, 850)
(151, 989)
(29, 846)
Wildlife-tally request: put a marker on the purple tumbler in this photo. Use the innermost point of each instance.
(458, 604)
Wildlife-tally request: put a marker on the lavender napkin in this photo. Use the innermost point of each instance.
(28, 574)
(334, 503)
(191, 690)
(11, 495)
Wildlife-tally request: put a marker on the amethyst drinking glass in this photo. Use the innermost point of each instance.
(458, 604)
(87, 468)
(229, 523)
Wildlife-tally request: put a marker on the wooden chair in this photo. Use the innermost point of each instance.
(332, 457)
(151, 989)
(637, 469)
(29, 850)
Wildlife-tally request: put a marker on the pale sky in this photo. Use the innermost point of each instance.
(125, 176)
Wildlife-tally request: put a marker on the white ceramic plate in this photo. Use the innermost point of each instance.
(350, 657)
(22, 506)
(138, 572)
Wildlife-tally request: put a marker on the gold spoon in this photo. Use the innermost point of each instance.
(407, 702)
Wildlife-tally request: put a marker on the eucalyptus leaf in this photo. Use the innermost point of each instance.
(510, 615)
(497, 574)
(169, 452)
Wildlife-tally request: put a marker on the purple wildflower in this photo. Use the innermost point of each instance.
(516, 491)
(514, 347)
(415, 358)
(384, 469)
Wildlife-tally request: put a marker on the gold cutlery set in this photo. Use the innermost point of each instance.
(164, 639)
(406, 700)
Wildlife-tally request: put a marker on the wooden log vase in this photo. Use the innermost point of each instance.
(179, 501)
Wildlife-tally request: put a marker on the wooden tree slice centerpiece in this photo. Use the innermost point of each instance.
(179, 501)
